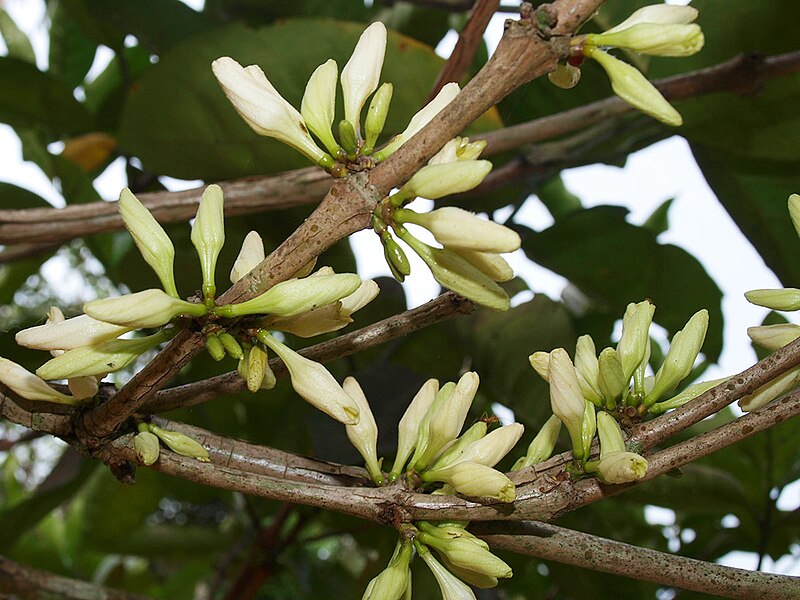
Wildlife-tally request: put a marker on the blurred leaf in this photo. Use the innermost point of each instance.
(29, 97)
(71, 51)
(17, 43)
(658, 221)
(262, 12)
(615, 263)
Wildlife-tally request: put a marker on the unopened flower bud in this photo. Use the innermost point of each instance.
(181, 444)
(635, 339)
(664, 14)
(540, 361)
(491, 264)
(456, 228)
(423, 431)
(451, 587)
(687, 395)
(231, 345)
(362, 72)
(612, 381)
(408, 429)
(770, 391)
(474, 479)
(250, 255)
(319, 103)
(146, 445)
(153, 242)
(348, 137)
(465, 553)
(773, 337)
(634, 88)
(610, 434)
(455, 450)
(364, 434)
(214, 347)
(588, 369)
(394, 582)
(376, 116)
(104, 357)
(479, 580)
(256, 367)
(794, 211)
(680, 359)
(295, 296)
(490, 449)
(78, 331)
(588, 428)
(314, 383)
(542, 446)
(145, 309)
(208, 236)
(565, 76)
(566, 398)
(365, 294)
(24, 383)
(655, 39)
(782, 299)
(437, 181)
(621, 467)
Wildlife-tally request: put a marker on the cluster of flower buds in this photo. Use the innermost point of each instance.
(146, 444)
(469, 263)
(89, 346)
(587, 395)
(772, 337)
(658, 30)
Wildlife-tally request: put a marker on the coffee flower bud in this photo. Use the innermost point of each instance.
(446, 95)
(231, 345)
(610, 434)
(394, 582)
(153, 242)
(146, 445)
(690, 393)
(319, 103)
(621, 467)
(612, 381)
(423, 431)
(72, 333)
(458, 148)
(634, 88)
(208, 236)
(145, 309)
(540, 361)
(456, 228)
(479, 580)
(452, 587)
(105, 357)
(250, 255)
(314, 383)
(588, 428)
(653, 39)
(635, 337)
(474, 479)
(256, 368)
(295, 296)
(794, 211)
(541, 448)
(24, 383)
(436, 181)
(180, 443)
(467, 553)
(264, 109)
(376, 116)
(664, 14)
(490, 449)
(682, 353)
(588, 369)
(364, 434)
(362, 72)
(455, 450)
(783, 299)
(491, 264)
(409, 426)
(770, 391)
(566, 398)
(214, 347)
(773, 337)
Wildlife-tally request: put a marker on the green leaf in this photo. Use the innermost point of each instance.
(658, 221)
(615, 263)
(17, 43)
(29, 97)
(71, 50)
(755, 194)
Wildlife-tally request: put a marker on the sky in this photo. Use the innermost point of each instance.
(664, 170)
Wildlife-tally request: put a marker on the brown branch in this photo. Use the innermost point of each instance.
(550, 542)
(469, 40)
(445, 306)
(27, 583)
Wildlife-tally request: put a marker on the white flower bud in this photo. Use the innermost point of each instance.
(479, 580)
(773, 337)
(314, 383)
(437, 181)
(251, 254)
(682, 353)
(664, 14)
(634, 88)
(588, 428)
(153, 242)
(653, 39)
(456, 228)
(782, 299)
(635, 338)
(410, 423)
(208, 235)
(794, 211)
(394, 582)
(621, 467)
(364, 434)
(451, 587)
(494, 266)
(147, 448)
(295, 296)
(610, 434)
(540, 361)
(474, 479)
(264, 109)
(541, 448)
(490, 449)
(78, 331)
(24, 383)
(365, 294)
(566, 398)
(318, 106)
(455, 449)
(148, 308)
(467, 553)
(770, 391)
(376, 115)
(690, 393)
(612, 381)
(588, 369)
(181, 444)
(361, 74)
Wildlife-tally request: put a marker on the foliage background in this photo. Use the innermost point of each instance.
(158, 106)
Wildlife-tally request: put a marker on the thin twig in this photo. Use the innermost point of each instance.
(28, 436)
(551, 542)
(469, 40)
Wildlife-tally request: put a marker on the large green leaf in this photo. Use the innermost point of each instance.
(615, 263)
(755, 194)
(29, 97)
(71, 50)
(178, 121)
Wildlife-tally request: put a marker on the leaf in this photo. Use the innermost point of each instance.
(755, 195)
(29, 97)
(71, 50)
(178, 121)
(17, 43)
(615, 263)
(658, 221)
